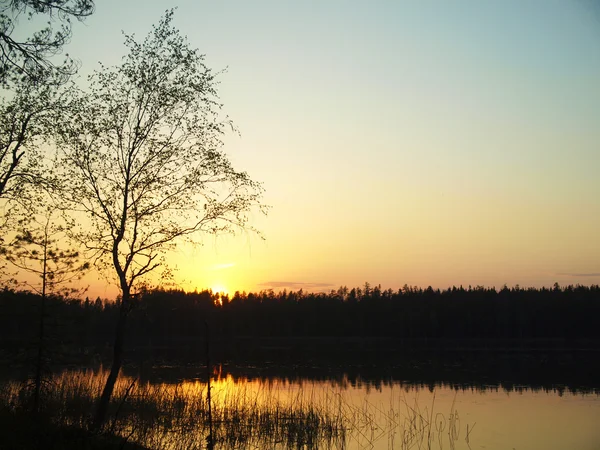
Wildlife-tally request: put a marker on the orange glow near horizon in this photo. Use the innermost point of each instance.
(472, 160)
(220, 289)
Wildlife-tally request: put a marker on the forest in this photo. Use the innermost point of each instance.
(468, 338)
(168, 317)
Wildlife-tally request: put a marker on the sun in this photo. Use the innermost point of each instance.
(220, 289)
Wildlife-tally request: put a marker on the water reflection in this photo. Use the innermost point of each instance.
(252, 409)
(367, 377)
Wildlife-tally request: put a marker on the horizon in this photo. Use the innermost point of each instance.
(230, 294)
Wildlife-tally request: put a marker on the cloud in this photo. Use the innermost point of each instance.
(590, 274)
(295, 285)
(222, 266)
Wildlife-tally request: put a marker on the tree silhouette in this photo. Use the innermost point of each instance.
(29, 58)
(26, 119)
(38, 249)
(142, 163)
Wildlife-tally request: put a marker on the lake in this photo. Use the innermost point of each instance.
(335, 411)
(397, 415)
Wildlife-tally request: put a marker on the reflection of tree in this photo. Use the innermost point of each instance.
(506, 337)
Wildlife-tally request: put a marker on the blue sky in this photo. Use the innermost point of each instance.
(425, 142)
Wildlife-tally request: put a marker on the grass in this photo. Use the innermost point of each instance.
(244, 416)
(172, 416)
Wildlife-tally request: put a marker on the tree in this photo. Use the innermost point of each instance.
(38, 249)
(143, 164)
(25, 122)
(29, 57)
(36, 84)
(25, 119)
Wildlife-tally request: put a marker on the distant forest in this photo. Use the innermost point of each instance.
(165, 317)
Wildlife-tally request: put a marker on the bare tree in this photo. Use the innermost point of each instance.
(143, 165)
(30, 57)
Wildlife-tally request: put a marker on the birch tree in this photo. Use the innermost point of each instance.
(25, 121)
(30, 57)
(144, 166)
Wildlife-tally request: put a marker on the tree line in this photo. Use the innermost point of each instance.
(172, 317)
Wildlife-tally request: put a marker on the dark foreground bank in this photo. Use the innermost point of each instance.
(22, 430)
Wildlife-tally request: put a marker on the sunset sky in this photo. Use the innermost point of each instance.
(424, 143)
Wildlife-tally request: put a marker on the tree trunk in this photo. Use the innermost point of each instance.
(39, 362)
(102, 410)
(38, 367)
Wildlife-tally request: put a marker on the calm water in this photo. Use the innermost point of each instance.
(391, 416)
(377, 416)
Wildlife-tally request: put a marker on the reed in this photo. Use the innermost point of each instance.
(175, 416)
(244, 415)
